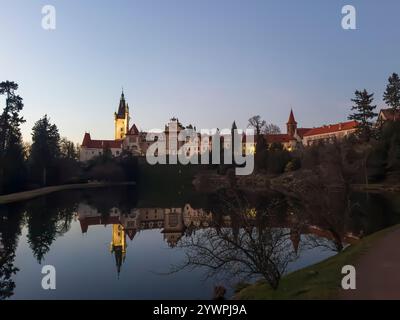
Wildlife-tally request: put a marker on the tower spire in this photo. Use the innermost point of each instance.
(291, 125)
(121, 118)
(291, 118)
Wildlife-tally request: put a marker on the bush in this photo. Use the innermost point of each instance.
(293, 165)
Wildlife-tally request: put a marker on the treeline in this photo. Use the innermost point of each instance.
(49, 159)
(371, 154)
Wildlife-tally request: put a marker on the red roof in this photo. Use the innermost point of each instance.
(331, 128)
(98, 220)
(278, 138)
(390, 115)
(100, 144)
(302, 131)
(133, 131)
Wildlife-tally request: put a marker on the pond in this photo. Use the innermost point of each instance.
(122, 244)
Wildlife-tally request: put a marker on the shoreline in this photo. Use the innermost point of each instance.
(211, 182)
(376, 187)
(30, 194)
(320, 281)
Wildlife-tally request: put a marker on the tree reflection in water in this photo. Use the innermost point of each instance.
(242, 236)
(10, 231)
(244, 246)
(47, 220)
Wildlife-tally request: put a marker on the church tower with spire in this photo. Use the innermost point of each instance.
(121, 119)
(291, 125)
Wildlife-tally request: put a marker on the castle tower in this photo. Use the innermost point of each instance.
(121, 119)
(291, 125)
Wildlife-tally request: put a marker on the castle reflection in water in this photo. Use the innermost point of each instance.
(171, 221)
(173, 224)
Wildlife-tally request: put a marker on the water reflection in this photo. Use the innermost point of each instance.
(229, 233)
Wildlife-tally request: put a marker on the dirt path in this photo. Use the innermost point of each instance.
(378, 270)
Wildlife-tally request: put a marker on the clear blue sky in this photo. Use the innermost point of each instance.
(207, 62)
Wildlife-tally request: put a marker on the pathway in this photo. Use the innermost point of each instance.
(378, 270)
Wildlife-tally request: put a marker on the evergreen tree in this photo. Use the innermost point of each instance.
(392, 93)
(261, 154)
(11, 147)
(363, 114)
(45, 149)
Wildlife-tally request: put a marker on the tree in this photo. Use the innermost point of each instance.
(392, 93)
(258, 124)
(11, 148)
(277, 160)
(68, 150)
(377, 162)
(45, 149)
(363, 114)
(272, 129)
(394, 153)
(261, 154)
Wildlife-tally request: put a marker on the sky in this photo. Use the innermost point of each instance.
(207, 62)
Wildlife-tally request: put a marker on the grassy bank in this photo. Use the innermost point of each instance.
(319, 281)
(26, 195)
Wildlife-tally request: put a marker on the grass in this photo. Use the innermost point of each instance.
(319, 281)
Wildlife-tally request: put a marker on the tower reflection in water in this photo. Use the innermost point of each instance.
(170, 221)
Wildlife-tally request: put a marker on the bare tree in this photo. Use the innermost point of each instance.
(272, 129)
(245, 248)
(68, 149)
(258, 124)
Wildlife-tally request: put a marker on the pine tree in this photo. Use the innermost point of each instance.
(392, 93)
(45, 149)
(11, 148)
(363, 114)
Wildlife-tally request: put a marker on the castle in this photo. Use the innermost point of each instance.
(295, 136)
(132, 140)
(125, 137)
